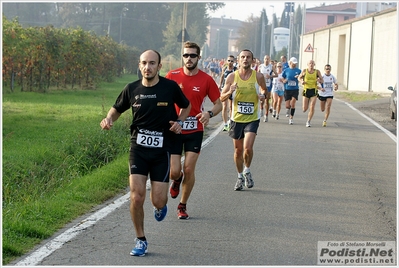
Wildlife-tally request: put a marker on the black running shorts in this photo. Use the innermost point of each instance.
(238, 130)
(188, 142)
(309, 93)
(144, 161)
(289, 94)
(325, 98)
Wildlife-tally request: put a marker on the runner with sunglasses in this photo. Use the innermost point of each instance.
(196, 86)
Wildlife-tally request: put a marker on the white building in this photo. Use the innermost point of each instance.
(281, 38)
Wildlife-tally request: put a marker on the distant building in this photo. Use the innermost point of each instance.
(222, 38)
(321, 16)
(281, 38)
(362, 51)
(318, 17)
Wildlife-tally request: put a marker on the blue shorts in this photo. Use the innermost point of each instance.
(279, 92)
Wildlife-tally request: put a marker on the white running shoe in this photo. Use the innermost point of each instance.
(249, 182)
(239, 184)
(324, 123)
(291, 122)
(308, 124)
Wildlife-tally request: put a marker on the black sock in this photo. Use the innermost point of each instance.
(292, 112)
(142, 238)
(182, 205)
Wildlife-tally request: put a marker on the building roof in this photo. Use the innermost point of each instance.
(344, 7)
(226, 22)
(392, 9)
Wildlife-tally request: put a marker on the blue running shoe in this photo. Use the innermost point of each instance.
(140, 249)
(160, 213)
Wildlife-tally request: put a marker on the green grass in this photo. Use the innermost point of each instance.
(357, 96)
(57, 162)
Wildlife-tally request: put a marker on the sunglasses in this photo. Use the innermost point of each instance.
(328, 69)
(190, 55)
(230, 60)
(279, 66)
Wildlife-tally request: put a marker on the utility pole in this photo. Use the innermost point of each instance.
(289, 7)
(263, 33)
(120, 27)
(184, 29)
(303, 27)
(217, 43)
(272, 34)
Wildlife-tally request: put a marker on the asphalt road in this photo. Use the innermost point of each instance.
(379, 111)
(336, 183)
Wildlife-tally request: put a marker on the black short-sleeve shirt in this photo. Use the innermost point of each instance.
(152, 109)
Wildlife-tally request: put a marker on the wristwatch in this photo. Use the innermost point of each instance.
(179, 122)
(210, 114)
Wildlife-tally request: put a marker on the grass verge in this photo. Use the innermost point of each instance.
(358, 96)
(57, 162)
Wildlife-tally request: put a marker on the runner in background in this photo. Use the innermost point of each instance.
(326, 94)
(266, 68)
(310, 78)
(226, 110)
(291, 88)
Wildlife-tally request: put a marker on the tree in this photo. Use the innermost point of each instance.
(284, 20)
(297, 31)
(141, 25)
(249, 34)
(196, 26)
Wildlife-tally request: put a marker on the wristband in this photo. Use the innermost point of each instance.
(210, 114)
(179, 122)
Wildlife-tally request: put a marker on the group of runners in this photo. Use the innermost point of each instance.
(169, 119)
(283, 81)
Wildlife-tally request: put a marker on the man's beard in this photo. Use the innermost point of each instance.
(150, 78)
(246, 67)
(192, 67)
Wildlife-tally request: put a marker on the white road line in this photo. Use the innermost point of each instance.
(390, 134)
(37, 256)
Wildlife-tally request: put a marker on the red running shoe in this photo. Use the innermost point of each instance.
(175, 187)
(181, 212)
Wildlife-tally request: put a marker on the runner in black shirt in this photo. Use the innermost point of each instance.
(152, 100)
